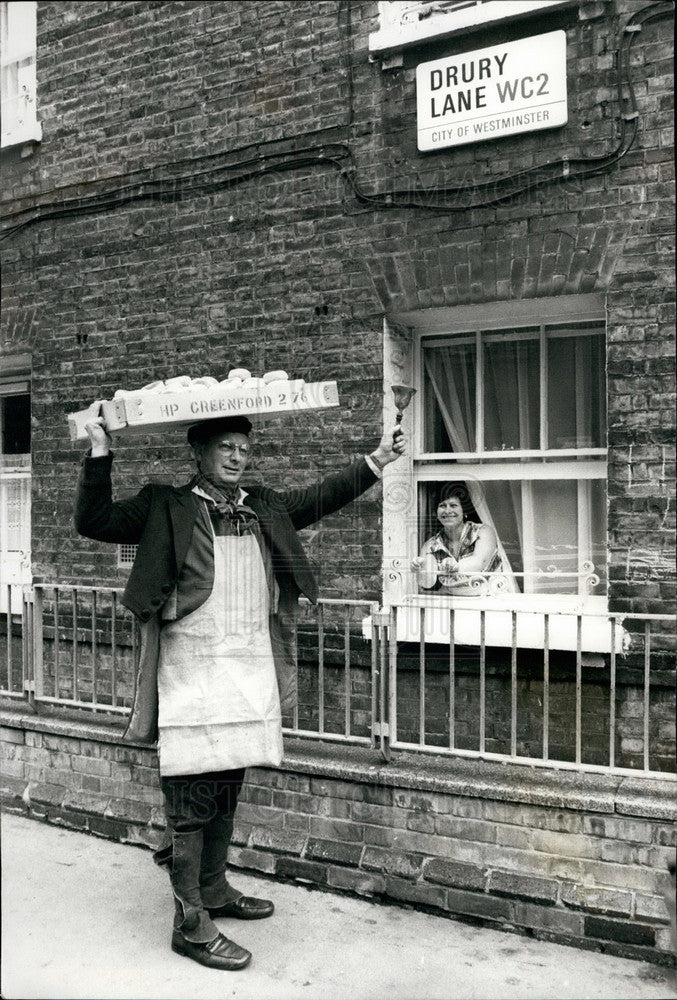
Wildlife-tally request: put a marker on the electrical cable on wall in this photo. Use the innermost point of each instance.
(340, 155)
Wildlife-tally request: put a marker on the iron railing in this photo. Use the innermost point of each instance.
(76, 647)
(614, 712)
(364, 679)
(346, 696)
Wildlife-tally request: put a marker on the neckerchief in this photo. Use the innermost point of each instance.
(242, 518)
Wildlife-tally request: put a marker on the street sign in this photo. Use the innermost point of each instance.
(489, 93)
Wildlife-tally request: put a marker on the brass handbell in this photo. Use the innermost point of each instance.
(402, 394)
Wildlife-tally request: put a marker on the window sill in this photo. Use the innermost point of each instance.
(27, 137)
(393, 37)
(598, 632)
(553, 604)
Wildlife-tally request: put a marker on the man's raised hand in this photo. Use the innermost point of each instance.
(392, 445)
(96, 431)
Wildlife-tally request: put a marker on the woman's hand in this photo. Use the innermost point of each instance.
(425, 567)
(448, 566)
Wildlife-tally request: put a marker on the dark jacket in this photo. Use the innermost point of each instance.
(160, 520)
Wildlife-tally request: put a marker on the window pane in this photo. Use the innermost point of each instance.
(504, 500)
(480, 505)
(555, 537)
(537, 524)
(450, 378)
(576, 392)
(562, 542)
(511, 395)
(15, 513)
(16, 424)
(598, 533)
(19, 25)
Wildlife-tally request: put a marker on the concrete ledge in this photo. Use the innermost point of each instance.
(579, 858)
(510, 782)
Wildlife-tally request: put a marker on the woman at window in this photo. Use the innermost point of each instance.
(460, 551)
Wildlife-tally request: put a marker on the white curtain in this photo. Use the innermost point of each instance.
(511, 421)
(454, 396)
(545, 524)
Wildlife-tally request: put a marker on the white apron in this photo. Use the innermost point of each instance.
(219, 706)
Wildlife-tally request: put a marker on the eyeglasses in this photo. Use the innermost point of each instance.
(227, 449)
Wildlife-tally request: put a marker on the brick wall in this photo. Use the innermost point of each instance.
(580, 859)
(288, 269)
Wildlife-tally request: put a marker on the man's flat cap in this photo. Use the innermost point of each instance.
(207, 429)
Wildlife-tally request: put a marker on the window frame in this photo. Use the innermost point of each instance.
(16, 566)
(404, 334)
(23, 55)
(480, 336)
(553, 464)
(396, 33)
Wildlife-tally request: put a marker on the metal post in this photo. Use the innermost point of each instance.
(579, 683)
(513, 687)
(612, 697)
(57, 686)
(114, 650)
(320, 667)
(452, 681)
(376, 643)
(346, 666)
(389, 728)
(483, 680)
(94, 652)
(295, 654)
(647, 690)
(421, 677)
(74, 648)
(37, 642)
(546, 686)
(27, 675)
(9, 637)
(381, 620)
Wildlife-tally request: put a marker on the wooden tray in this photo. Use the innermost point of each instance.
(144, 411)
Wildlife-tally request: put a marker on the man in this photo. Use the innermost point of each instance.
(215, 584)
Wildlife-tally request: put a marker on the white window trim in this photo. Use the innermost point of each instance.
(403, 333)
(15, 565)
(596, 628)
(400, 24)
(21, 50)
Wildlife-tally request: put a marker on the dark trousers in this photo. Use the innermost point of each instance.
(193, 800)
(200, 810)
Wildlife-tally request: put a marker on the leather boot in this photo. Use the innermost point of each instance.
(220, 899)
(194, 934)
